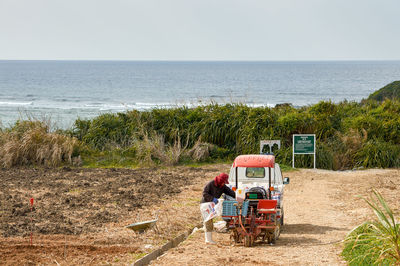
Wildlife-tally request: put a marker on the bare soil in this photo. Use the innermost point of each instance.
(79, 201)
(79, 216)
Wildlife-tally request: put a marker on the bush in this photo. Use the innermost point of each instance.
(378, 154)
(105, 129)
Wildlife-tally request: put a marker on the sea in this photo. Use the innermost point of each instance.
(62, 91)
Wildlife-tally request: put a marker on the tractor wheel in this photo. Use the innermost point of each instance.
(277, 232)
(273, 236)
(248, 241)
(282, 216)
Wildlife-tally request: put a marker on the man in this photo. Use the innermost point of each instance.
(212, 191)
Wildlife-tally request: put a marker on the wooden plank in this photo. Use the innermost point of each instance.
(158, 252)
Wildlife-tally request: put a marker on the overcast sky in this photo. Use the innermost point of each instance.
(200, 29)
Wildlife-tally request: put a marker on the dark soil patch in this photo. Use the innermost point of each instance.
(77, 201)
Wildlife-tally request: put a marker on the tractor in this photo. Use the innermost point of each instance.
(257, 212)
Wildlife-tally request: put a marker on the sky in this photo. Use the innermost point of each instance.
(265, 30)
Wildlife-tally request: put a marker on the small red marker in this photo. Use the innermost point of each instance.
(31, 219)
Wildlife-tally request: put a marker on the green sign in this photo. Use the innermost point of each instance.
(304, 144)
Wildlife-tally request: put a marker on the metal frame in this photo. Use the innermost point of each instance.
(269, 180)
(270, 143)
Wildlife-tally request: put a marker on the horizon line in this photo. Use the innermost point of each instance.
(210, 60)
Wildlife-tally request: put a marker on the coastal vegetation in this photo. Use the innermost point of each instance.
(349, 135)
(390, 91)
(375, 242)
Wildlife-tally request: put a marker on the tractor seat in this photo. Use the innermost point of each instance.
(267, 206)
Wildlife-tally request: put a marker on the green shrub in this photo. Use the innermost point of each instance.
(326, 119)
(324, 156)
(378, 154)
(284, 156)
(105, 129)
(356, 253)
(376, 242)
(220, 153)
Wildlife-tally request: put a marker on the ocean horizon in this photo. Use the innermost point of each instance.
(63, 90)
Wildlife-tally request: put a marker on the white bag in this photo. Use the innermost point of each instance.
(220, 226)
(209, 210)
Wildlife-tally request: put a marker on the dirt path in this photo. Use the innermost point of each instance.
(320, 208)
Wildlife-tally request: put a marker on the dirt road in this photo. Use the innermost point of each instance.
(320, 208)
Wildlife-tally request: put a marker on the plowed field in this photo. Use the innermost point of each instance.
(79, 215)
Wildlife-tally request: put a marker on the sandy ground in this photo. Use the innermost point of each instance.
(320, 208)
(80, 216)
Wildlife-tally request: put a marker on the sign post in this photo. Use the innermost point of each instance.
(269, 144)
(303, 144)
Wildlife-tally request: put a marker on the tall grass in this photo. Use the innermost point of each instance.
(31, 142)
(376, 242)
(153, 148)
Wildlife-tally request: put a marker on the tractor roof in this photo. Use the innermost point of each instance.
(254, 160)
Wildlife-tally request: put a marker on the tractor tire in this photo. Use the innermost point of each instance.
(277, 232)
(282, 216)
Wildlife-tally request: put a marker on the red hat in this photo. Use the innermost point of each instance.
(221, 179)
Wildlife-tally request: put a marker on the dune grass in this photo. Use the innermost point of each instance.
(375, 242)
(31, 142)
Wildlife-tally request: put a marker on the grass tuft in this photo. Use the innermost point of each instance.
(375, 242)
(31, 142)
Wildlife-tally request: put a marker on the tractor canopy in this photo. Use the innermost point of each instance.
(254, 160)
